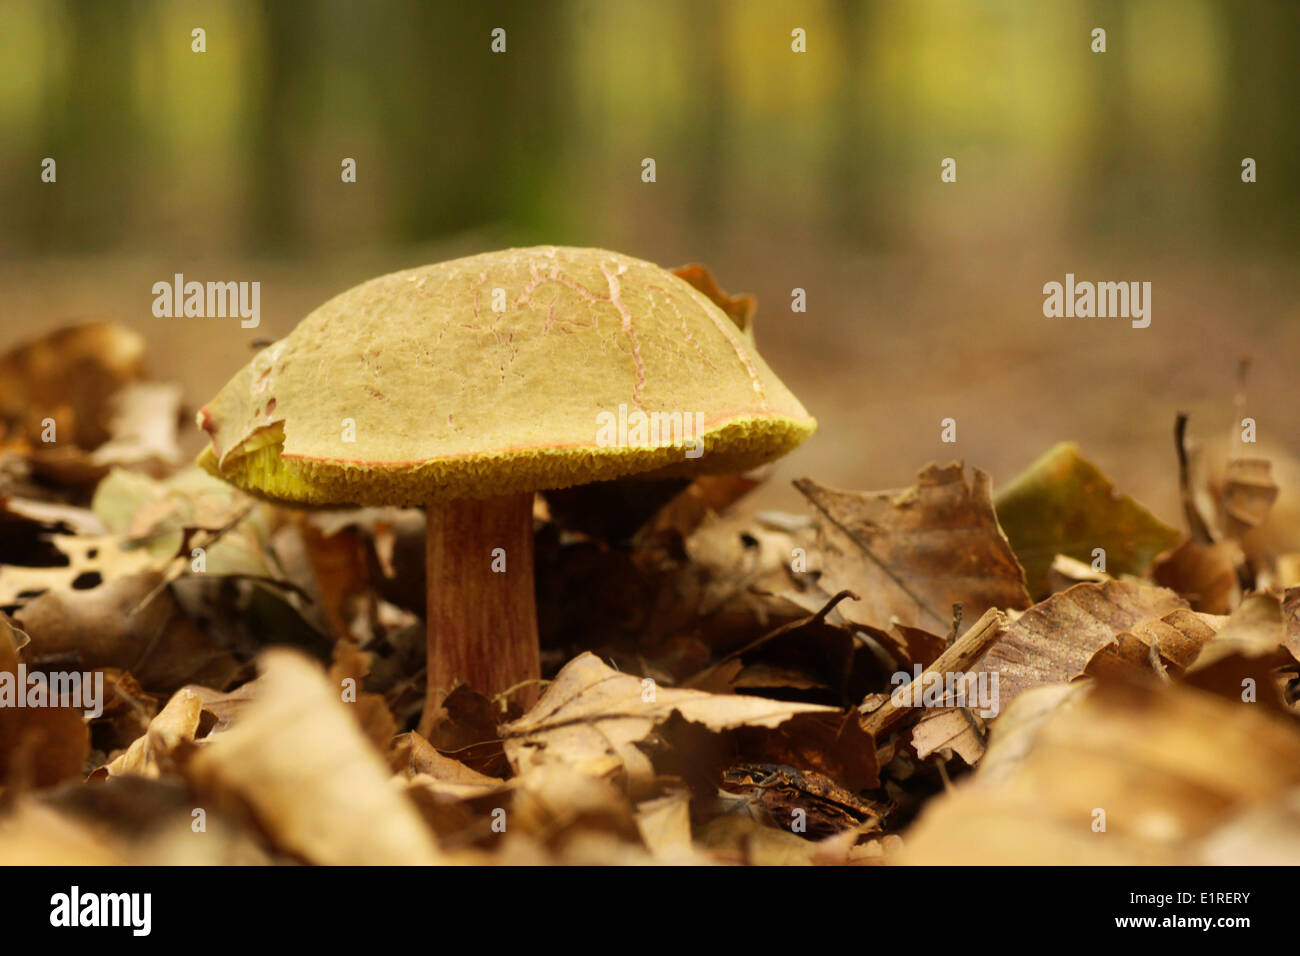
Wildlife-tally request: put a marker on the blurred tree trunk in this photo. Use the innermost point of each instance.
(859, 157)
(90, 131)
(702, 153)
(278, 123)
(468, 134)
(1108, 194)
(1260, 119)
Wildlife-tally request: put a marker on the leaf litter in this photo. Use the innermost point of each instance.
(722, 686)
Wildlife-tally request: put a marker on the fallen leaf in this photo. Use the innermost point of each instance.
(1247, 494)
(35, 835)
(1204, 574)
(1239, 661)
(298, 761)
(131, 623)
(170, 736)
(39, 746)
(912, 555)
(1055, 639)
(1062, 504)
(665, 827)
(69, 375)
(1130, 773)
(591, 717)
(957, 730)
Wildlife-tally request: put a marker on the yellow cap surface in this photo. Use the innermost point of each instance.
(518, 370)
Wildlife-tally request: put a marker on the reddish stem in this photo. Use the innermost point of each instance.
(482, 611)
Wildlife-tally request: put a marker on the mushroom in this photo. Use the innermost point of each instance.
(466, 386)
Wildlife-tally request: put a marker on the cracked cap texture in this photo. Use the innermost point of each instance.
(500, 373)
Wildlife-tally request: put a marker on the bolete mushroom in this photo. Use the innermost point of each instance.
(466, 386)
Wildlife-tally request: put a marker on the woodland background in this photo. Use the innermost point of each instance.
(777, 170)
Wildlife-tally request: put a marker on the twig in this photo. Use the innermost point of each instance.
(963, 652)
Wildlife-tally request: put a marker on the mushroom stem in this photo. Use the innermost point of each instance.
(481, 608)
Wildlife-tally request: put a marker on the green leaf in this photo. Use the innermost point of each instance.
(1063, 504)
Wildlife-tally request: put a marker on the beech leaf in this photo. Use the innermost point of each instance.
(1063, 504)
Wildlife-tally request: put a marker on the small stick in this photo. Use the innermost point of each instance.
(963, 652)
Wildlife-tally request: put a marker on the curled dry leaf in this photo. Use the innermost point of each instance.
(592, 716)
(1204, 574)
(1055, 639)
(1247, 494)
(740, 308)
(297, 760)
(553, 800)
(170, 736)
(1066, 572)
(958, 730)
(419, 762)
(911, 555)
(1173, 640)
(1240, 660)
(1063, 504)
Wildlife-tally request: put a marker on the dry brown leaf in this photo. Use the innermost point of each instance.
(738, 838)
(411, 755)
(665, 827)
(1160, 766)
(1065, 572)
(1247, 494)
(298, 761)
(130, 623)
(170, 736)
(554, 800)
(348, 673)
(1239, 661)
(1204, 574)
(39, 746)
(1291, 620)
(69, 375)
(1054, 640)
(35, 835)
(912, 554)
(592, 716)
(1019, 724)
(101, 557)
(740, 308)
(958, 730)
(1176, 638)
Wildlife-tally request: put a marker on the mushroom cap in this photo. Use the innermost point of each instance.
(518, 370)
